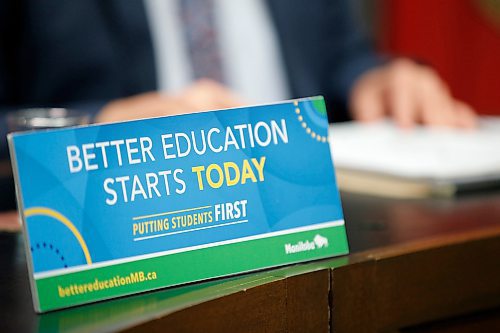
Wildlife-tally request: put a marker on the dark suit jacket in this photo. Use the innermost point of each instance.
(84, 53)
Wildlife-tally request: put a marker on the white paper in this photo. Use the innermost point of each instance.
(440, 154)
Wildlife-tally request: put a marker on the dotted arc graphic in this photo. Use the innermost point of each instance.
(43, 211)
(305, 125)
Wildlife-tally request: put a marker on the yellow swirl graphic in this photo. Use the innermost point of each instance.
(34, 211)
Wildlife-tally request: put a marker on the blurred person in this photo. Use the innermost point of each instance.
(133, 59)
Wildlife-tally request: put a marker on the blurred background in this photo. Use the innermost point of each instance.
(459, 38)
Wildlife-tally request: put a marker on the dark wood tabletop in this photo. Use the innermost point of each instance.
(414, 265)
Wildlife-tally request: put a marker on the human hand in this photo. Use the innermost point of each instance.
(410, 94)
(202, 95)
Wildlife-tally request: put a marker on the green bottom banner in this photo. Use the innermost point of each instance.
(144, 274)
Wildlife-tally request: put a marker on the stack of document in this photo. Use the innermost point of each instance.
(382, 159)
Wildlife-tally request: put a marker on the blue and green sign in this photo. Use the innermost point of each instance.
(115, 209)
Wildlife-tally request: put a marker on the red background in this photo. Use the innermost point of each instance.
(456, 37)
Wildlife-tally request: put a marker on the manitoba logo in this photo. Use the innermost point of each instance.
(320, 241)
(317, 242)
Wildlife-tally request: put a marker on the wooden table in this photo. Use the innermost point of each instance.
(416, 266)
